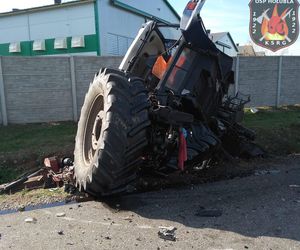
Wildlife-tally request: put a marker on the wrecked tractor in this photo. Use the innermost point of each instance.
(166, 109)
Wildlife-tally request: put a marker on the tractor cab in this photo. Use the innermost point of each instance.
(151, 51)
(181, 59)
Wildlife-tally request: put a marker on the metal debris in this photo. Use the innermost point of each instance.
(55, 173)
(34, 182)
(31, 220)
(167, 233)
(61, 232)
(21, 208)
(128, 219)
(60, 215)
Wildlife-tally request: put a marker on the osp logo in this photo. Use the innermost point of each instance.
(274, 24)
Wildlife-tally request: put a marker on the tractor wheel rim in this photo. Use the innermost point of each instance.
(97, 130)
(93, 127)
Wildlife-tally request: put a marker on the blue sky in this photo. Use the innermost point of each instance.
(223, 15)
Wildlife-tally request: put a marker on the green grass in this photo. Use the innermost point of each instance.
(278, 130)
(36, 138)
(23, 147)
(8, 174)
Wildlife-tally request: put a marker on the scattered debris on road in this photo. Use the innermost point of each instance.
(55, 173)
(167, 233)
(61, 232)
(202, 212)
(31, 220)
(129, 219)
(21, 208)
(60, 215)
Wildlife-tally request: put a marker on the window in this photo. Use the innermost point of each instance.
(15, 47)
(180, 70)
(60, 43)
(39, 45)
(77, 42)
(118, 45)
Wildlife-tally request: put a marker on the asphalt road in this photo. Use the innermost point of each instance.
(258, 212)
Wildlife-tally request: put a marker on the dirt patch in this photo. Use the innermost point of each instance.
(224, 171)
(146, 183)
(25, 199)
(30, 198)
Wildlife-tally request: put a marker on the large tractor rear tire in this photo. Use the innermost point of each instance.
(112, 133)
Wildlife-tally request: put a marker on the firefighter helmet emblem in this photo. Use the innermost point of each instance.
(274, 25)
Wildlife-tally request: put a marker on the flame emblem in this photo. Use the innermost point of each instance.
(274, 25)
(276, 28)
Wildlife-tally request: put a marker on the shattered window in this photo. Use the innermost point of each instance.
(180, 70)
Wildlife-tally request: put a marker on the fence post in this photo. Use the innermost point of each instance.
(279, 82)
(74, 94)
(237, 75)
(2, 96)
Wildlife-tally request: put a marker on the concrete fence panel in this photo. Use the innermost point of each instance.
(290, 86)
(1, 119)
(37, 89)
(85, 70)
(45, 89)
(2, 96)
(259, 77)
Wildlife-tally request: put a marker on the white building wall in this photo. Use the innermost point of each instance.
(226, 40)
(15, 29)
(51, 23)
(69, 21)
(118, 26)
(157, 8)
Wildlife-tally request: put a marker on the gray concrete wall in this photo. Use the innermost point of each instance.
(258, 77)
(1, 122)
(44, 89)
(39, 89)
(290, 87)
(85, 69)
